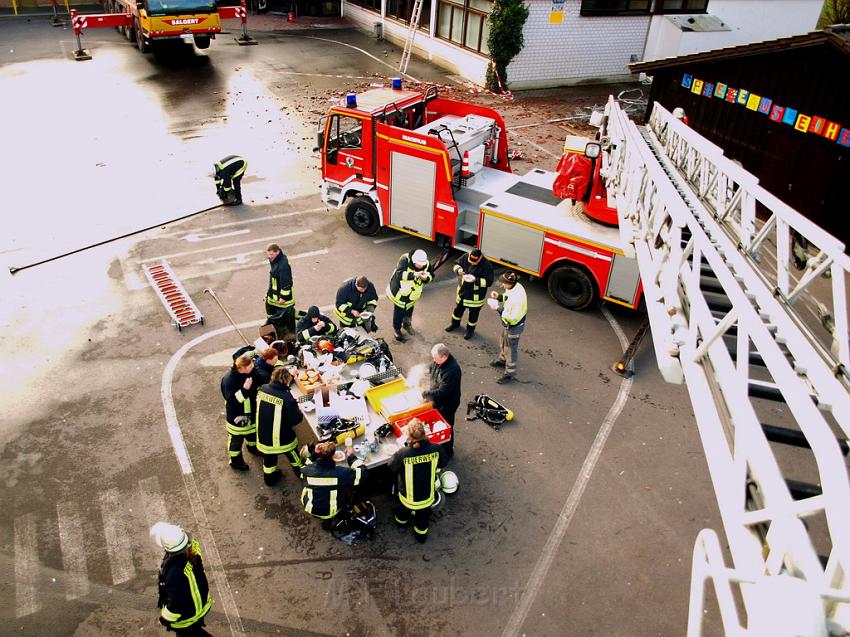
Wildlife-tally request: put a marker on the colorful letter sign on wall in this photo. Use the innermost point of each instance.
(802, 122)
(556, 14)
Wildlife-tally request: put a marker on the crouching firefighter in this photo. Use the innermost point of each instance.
(184, 593)
(416, 465)
(228, 179)
(323, 480)
(277, 415)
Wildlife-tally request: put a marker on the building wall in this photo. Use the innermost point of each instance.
(456, 60)
(580, 49)
(750, 21)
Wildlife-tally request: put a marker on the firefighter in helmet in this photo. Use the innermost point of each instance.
(405, 287)
(475, 275)
(228, 179)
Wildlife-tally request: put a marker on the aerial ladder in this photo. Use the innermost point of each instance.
(763, 351)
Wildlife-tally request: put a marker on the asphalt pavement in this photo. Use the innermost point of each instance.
(578, 518)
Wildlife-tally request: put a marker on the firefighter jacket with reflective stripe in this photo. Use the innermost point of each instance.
(239, 401)
(417, 471)
(445, 386)
(279, 293)
(277, 415)
(322, 481)
(473, 293)
(514, 306)
(307, 329)
(405, 286)
(184, 592)
(349, 298)
(229, 169)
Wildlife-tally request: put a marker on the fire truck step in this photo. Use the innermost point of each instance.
(174, 297)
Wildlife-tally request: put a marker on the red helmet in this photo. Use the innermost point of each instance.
(324, 345)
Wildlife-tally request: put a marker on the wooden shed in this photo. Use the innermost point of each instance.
(781, 108)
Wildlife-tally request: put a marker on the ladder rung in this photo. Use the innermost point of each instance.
(768, 391)
(717, 301)
(795, 438)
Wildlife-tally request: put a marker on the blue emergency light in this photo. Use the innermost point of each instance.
(351, 100)
(397, 83)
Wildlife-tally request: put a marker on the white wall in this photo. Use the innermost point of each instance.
(458, 61)
(578, 50)
(750, 21)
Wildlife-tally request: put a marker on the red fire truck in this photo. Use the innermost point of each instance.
(438, 169)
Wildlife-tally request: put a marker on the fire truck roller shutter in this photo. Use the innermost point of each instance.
(412, 182)
(624, 279)
(512, 243)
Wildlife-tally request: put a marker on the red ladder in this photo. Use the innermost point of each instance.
(173, 296)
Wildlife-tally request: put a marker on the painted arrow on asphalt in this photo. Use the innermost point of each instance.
(203, 236)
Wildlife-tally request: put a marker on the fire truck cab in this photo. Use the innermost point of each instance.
(438, 169)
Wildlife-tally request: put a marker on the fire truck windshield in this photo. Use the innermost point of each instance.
(171, 7)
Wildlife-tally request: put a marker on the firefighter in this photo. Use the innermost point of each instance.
(264, 366)
(445, 388)
(280, 301)
(323, 479)
(239, 388)
(228, 179)
(405, 287)
(184, 592)
(277, 415)
(471, 295)
(416, 465)
(314, 323)
(512, 306)
(354, 298)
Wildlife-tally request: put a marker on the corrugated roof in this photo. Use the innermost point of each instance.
(837, 36)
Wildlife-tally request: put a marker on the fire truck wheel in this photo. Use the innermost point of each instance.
(362, 215)
(143, 45)
(571, 287)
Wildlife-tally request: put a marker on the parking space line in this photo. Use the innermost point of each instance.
(242, 222)
(154, 506)
(553, 543)
(186, 253)
(26, 565)
(294, 257)
(118, 546)
(73, 551)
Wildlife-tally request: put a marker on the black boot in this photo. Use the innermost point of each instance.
(469, 332)
(401, 338)
(407, 326)
(454, 325)
(272, 479)
(238, 463)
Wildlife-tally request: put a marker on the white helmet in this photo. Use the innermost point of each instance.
(169, 537)
(449, 482)
(679, 112)
(420, 258)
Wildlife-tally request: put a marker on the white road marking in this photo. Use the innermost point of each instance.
(294, 257)
(242, 222)
(227, 245)
(73, 551)
(26, 565)
(388, 239)
(154, 506)
(194, 237)
(553, 543)
(118, 546)
(240, 259)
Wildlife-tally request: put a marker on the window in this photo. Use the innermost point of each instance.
(681, 6)
(343, 133)
(464, 22)
(615, 7)
(374, 5)
(402, 9)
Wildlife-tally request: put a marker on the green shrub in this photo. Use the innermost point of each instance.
(505, 40)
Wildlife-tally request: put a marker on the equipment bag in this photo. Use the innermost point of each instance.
(489, 410)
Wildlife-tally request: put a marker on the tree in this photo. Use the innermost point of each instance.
(834, 12)
(505, 40)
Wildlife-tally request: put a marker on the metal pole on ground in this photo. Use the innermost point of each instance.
(81, 54)
(212, 293)
(623, 367)
(244, 39)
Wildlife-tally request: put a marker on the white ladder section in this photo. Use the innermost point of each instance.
(415, 14)
(731, 319)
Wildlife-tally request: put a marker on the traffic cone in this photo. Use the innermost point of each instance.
(464, 167)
